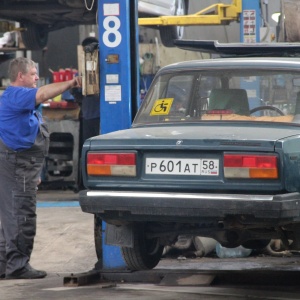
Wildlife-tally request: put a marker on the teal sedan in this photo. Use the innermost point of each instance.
(213, 151)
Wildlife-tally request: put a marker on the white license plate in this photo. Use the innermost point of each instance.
(182, 166)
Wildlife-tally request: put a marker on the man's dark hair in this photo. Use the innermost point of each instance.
(89, 40)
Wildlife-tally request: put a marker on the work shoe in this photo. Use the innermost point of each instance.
(2, 276)
(27, 273)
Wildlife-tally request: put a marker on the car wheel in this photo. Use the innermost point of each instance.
(170, 33)
(98, 236)
(34, 37)
(145, 254)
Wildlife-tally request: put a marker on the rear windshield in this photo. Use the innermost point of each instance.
(199, 96)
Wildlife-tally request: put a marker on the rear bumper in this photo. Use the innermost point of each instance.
(189, 207)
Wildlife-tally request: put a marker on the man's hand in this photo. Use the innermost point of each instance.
(77, 82)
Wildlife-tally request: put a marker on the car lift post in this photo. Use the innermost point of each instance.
(250, 21)
(250, 25)
(119, 82)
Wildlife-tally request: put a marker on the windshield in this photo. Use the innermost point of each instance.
(222, 95)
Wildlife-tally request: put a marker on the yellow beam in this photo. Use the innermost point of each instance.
(216, 14)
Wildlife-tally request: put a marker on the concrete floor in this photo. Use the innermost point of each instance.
(65, 238)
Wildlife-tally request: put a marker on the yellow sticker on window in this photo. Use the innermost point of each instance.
(161, 107)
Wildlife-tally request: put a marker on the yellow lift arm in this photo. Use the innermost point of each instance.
(216, 14)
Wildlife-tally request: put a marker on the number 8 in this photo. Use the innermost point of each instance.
(112, 30)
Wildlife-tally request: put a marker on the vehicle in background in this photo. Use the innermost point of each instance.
(214, 151)
(154, 8)
(39, 17)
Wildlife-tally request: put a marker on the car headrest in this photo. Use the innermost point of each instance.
(229, 99)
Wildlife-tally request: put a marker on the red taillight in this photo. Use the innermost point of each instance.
(250, 166)
(111, 164)
(250, 161)
(111, 158)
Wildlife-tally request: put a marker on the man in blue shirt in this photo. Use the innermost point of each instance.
(24, 142)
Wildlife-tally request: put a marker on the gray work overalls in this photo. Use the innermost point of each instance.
(19, 177)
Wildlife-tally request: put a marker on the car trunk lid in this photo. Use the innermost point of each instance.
(194, 158)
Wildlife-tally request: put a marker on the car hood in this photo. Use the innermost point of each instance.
(263, 136)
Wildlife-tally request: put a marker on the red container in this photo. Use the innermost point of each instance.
(62, 75)
(56, 76)
(68, 74)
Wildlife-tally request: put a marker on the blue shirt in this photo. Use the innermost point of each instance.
(19, 124)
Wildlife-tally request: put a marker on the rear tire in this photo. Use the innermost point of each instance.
(170, 33)
(34, 37)
(145, 254)
(98, 236)
(291, 21)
